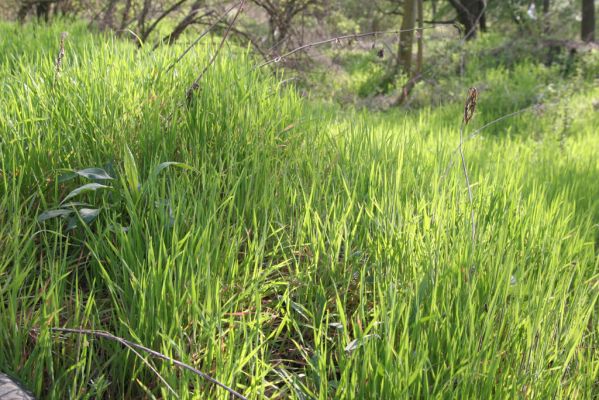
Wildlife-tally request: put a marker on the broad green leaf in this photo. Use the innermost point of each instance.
(72, 223)
(167, 164)
(88, 214)
(53, 214)
(73, 204)
(94, 173)
(85, 188)
(67, 177)
(354, 344)
(131, 170)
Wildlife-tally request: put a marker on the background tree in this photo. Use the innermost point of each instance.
(587, 26)
(471, 13)
(280, 16)
(406, 37)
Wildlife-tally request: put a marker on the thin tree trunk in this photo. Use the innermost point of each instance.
(125, 16)
(108, 18)
(482, 16)
(406, 37)
(185, 22)
(587, 26)
(141, 22)
(146, 33)
(470, 13)
(545, 16)
(419, 35)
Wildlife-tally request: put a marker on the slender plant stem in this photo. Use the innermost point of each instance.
(465, 170)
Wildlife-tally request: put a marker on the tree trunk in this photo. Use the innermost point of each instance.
(587, 31)
(482, 19)
(470, 13)
(406, 37)
(141, 21)
(108, 18)
(545, 16)
(42, 10)
(184, 23)
(125, 16)
(419, 35)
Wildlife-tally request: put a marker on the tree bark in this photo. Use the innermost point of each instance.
(189, 19)
(108, 18)
(125, 16)
(545, 16)
(419, 36)
(587, 26)
(141, 21)
(406, 37)
(470, 14)
(145, 34)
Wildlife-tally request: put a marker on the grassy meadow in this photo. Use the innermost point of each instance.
(287, 247)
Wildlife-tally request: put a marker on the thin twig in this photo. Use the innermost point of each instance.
(200, 38)
(336, 39)
(196, 83)
(153, 353)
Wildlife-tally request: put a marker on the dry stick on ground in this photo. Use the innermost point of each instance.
(196, 84)
(153, 353)
(469, 109)
(153, 370)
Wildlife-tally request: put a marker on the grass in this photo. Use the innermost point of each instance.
(295, 250)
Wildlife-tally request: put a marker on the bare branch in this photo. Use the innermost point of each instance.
(200, 37)
(153, 353)
(196, 83)
(335, 39)
(147, 32)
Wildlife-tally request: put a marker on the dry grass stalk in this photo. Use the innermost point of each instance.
(61, 53)
(469, 108)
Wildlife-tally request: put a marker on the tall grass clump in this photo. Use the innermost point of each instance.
(287, 249)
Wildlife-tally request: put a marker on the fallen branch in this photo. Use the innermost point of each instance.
(127, 343)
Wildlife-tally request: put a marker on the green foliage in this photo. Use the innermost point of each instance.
(301, 251)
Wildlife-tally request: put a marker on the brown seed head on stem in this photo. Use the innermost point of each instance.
(470, 105)
(60, 55)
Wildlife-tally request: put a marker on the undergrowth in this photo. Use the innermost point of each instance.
(288, 248)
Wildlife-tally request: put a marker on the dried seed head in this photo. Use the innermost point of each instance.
(470, 105)
(60, 55)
